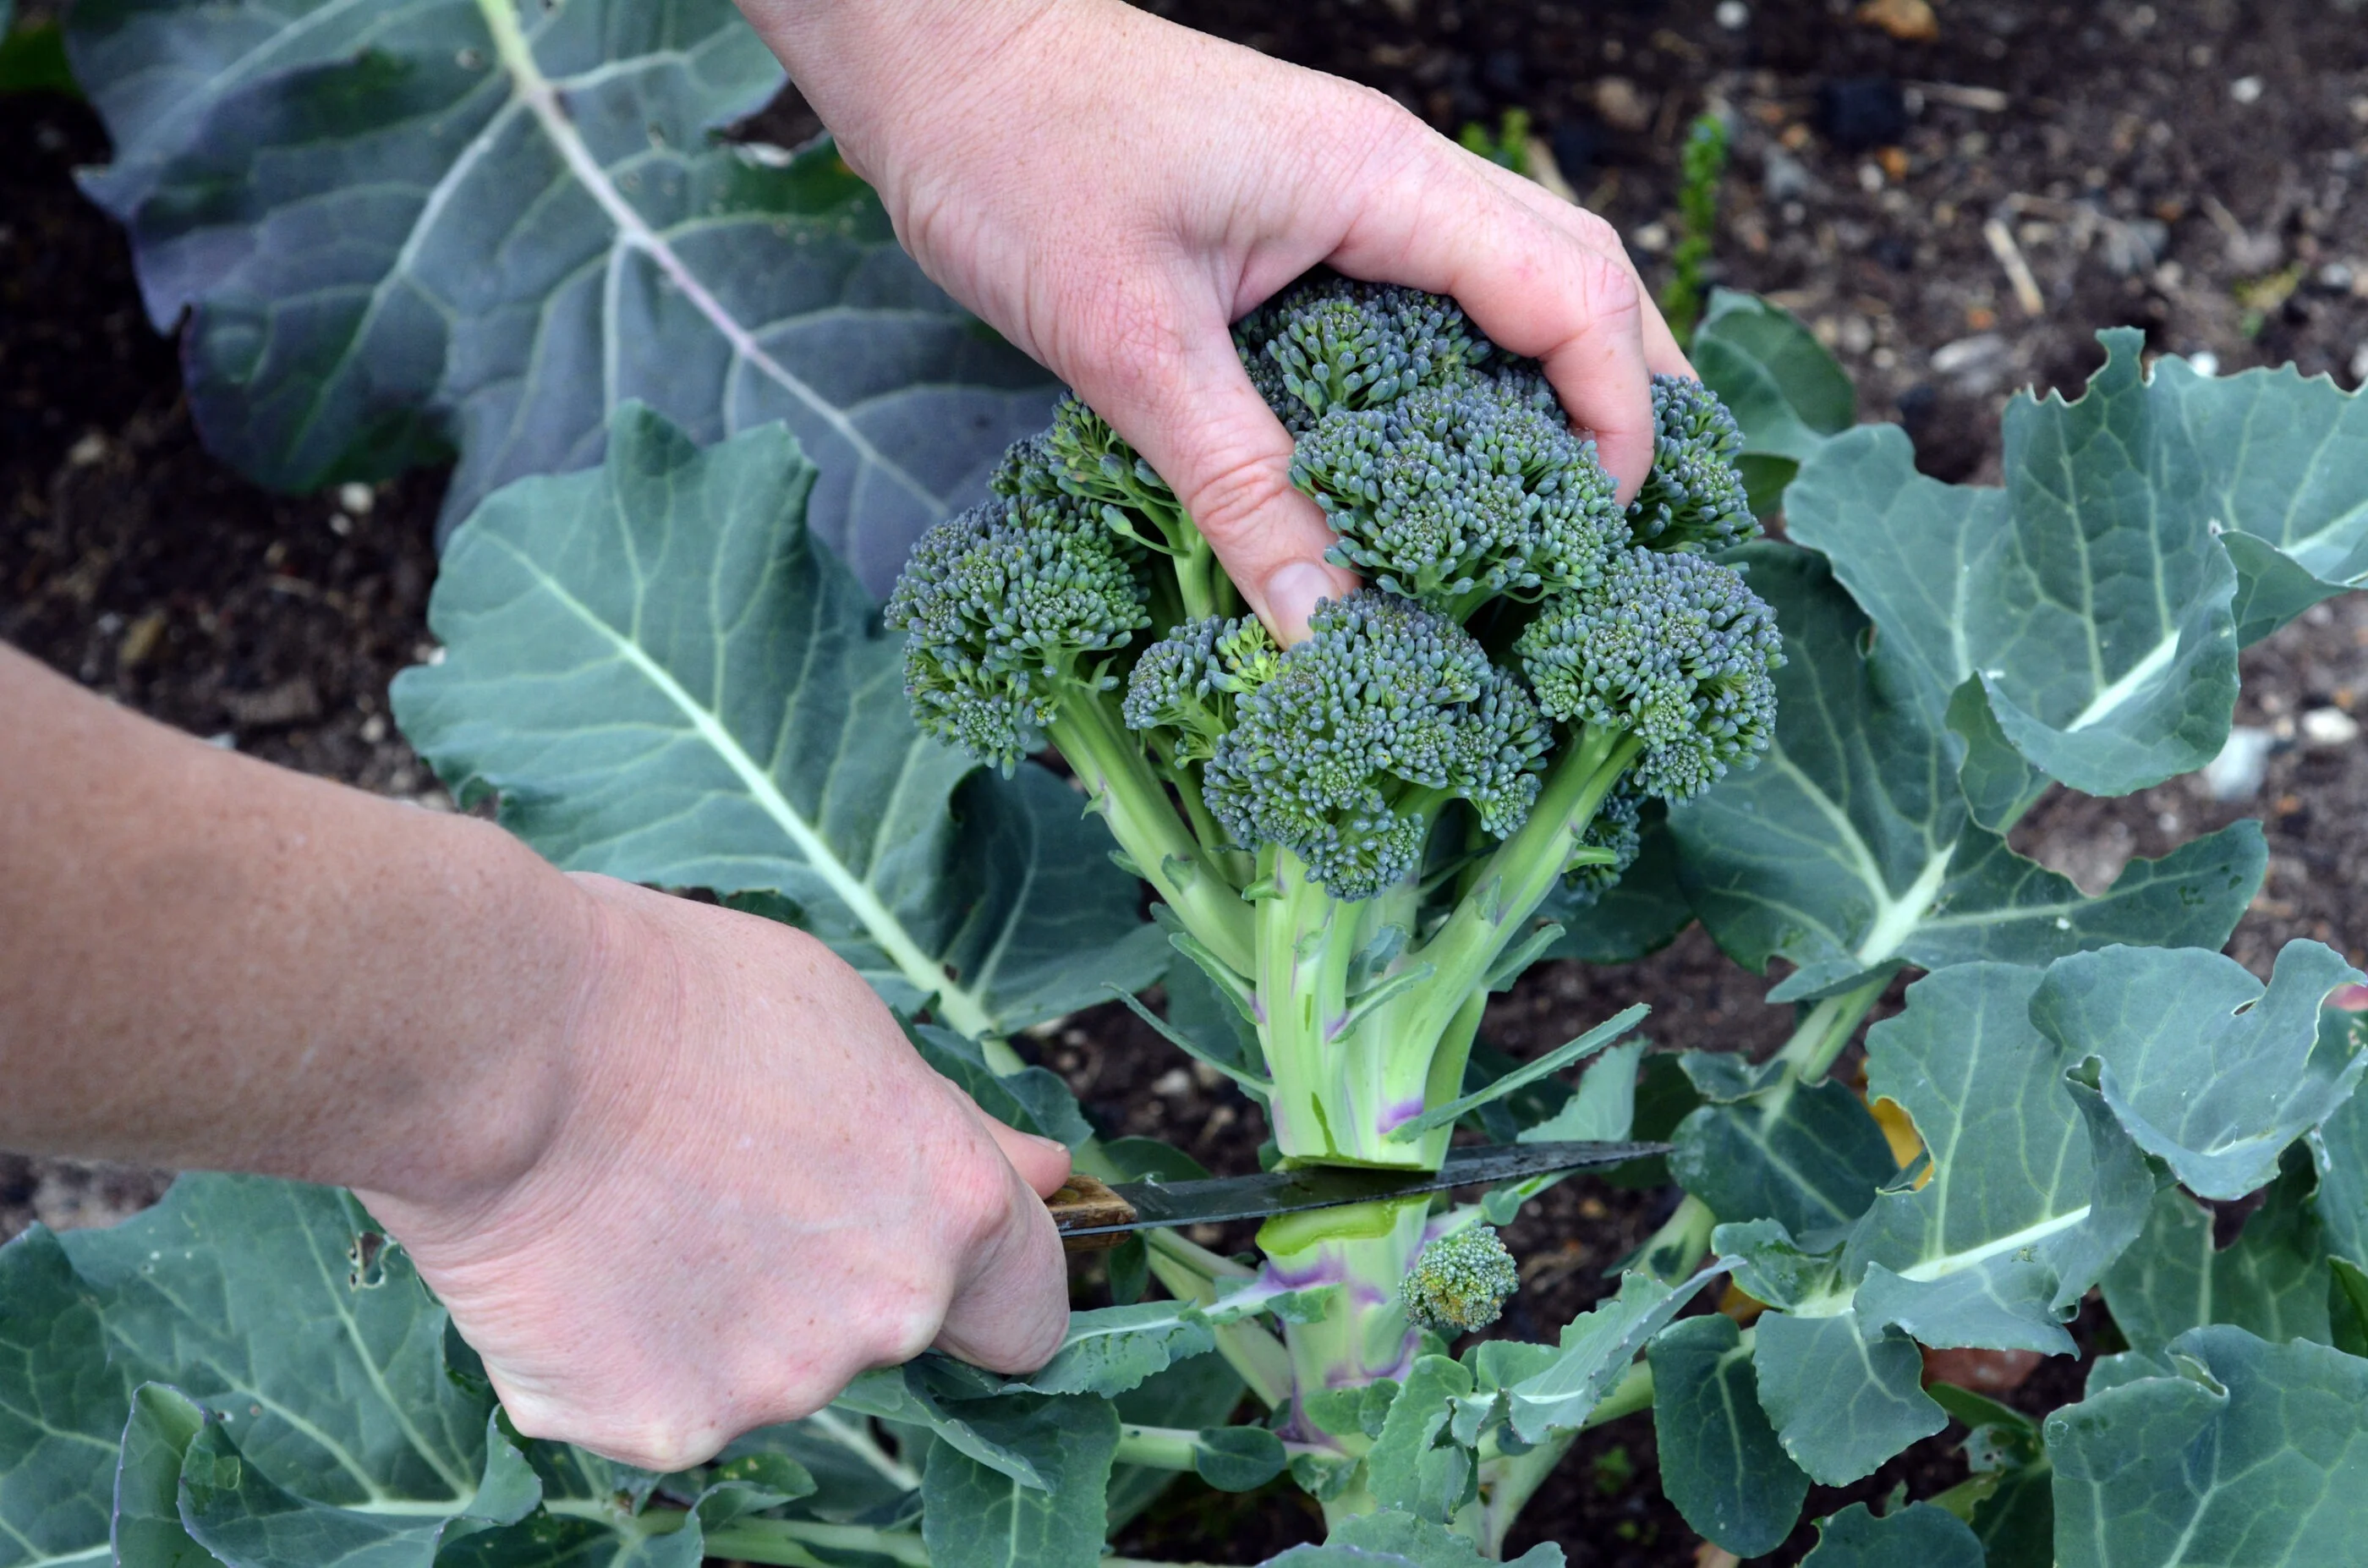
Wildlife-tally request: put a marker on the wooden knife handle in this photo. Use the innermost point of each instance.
(1084, 1203)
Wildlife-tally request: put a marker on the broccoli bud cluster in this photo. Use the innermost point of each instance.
(1673, 648)
(1478, 486)
(1456, 487)
(1459, 1282)
(1347, 749)
(1003, 606)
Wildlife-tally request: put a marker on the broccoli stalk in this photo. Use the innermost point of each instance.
(1353, 836)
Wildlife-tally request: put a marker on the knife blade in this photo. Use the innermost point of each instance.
(1091, 1215)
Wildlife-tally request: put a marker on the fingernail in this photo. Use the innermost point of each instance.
(1052, 1145)
(1292, 592)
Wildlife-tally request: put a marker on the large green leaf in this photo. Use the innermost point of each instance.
(974, 1516)
(1919, 1534)
(1770, 1147)
(1849, 848)
(1786, 391)
(1843, 1393)
(2034, 1187)
(2211, 1073)
(1721, 1464)
(664, 680)
(244, 1294)
(2272, 1280)
(435, 224)
(2089, 596)
(2227, 1452)
(2284, 473)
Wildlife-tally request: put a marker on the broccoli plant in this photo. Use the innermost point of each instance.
(1546, 728)
(1352, 837)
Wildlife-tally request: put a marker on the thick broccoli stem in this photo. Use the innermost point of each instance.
(1364, 1251)
(1332, 1083)
(1118, 778)
(1512, 883)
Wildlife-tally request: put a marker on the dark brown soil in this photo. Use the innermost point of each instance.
(2198, 168)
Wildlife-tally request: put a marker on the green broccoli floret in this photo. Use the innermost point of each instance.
(1455, 494)
(1694, 499)
(1459, 1282)
(1384, 713)
(1183, 686)
(1335, 343)
(1004, 607)
(1673, 648)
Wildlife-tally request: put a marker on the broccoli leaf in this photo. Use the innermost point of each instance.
(1850, 847)
(235, 1512)
(148, 1530)
(2271, 1281)
(1416, 1464)
(2285, 464)
(2092, 597)
(1783, 387)
(664, 680)
(1721, 1464)
(1844, 1394)
(1391, 1538)
(407, 229)
(1769, 1147)
(2225, 1450)
(2211, 1073)
(1597, 1347)
(976, 1516)
(2341, 1201)
(2034, 1187)
(247, 1297)
(1920, 1533)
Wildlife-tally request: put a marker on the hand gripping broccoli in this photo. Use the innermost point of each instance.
(1353, 836)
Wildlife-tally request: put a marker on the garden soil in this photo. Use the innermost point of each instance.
(1956, 214)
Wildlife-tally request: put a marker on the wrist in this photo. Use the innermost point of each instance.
(881, 73)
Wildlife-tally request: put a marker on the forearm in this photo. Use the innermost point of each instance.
(210, 961)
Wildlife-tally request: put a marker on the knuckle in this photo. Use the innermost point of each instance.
(1606, 286)
(1230, 501)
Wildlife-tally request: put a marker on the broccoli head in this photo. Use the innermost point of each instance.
(1005, 607)
(1459, 1282)
(1363, 731)
(1460, 492)
(1671, 647)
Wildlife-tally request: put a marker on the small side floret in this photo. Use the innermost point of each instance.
(1672, 647)
(1459, 1281)
(1694, 499)
(1006, 608)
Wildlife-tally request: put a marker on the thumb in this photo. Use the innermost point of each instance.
(1195, 417)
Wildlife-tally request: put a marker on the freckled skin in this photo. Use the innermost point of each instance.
(634, 1143)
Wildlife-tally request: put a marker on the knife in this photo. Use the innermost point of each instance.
(1092, 1215)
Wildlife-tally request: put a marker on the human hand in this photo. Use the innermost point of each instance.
(1110, 190)
(749, 1189)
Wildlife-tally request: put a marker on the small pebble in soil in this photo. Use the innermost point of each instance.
(2236, 773)
(2329, 727)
